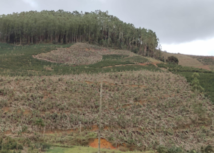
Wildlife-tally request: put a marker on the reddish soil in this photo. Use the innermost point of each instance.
(8, 132)
(103, 144)
(153, 63)
(142, 64)
(6, 109)
(88, 82)
(26, 112)
(95, 128)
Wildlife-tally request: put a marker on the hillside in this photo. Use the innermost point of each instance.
(50, 95)
(156, 106)
(207, 61)
(204, 62)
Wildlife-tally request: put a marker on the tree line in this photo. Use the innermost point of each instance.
(68, 27)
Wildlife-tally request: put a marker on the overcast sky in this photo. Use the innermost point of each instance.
(183, 26)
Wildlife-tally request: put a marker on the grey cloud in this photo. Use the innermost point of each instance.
(174, 21)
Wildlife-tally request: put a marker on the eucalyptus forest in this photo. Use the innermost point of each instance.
(65, 27)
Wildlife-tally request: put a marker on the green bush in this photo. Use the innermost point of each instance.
(195, 83)
(172, 59)
(45, 146)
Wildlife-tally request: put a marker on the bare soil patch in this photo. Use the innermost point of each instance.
(103, 144)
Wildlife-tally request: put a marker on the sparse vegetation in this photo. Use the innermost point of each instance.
(135, 104)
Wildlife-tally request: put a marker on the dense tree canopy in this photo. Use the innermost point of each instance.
(65, 27)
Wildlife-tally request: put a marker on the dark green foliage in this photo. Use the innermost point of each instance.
(7, 144)
(114, 56)
(172, 60)
(175, 150)
(162, 149)
(68, 27)
(39, 122)
(45, 146)
(5, 151)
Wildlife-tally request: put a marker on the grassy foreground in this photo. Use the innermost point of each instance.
(77, 149)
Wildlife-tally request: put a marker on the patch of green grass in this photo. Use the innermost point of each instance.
(206, 81)
(179, 68)
(19, 61)
(78, 149)
(106, 63)
(114, 56)
(114, 60)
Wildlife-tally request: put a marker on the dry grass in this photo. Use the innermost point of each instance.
(80, 54)
(185, 60)
(156, 106)
(208, 61)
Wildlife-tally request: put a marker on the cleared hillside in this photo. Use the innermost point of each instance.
(185, 60)
(208, 61)
(141, 110)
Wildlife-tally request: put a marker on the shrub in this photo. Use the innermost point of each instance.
(172, 59)
(162, 149)
(45, 147)
(196, 84)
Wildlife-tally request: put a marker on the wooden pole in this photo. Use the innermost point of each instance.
(100, 111)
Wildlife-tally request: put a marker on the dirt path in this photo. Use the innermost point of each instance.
(142, 64)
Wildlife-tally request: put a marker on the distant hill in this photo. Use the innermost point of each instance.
(204, 62)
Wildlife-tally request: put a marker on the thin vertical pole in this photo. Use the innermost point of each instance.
(100, 110)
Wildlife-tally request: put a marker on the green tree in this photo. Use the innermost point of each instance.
(196, 84)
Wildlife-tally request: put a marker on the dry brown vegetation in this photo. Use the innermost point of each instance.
(141, 109)
(208, 61)
(185, 60)
(80, 54)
